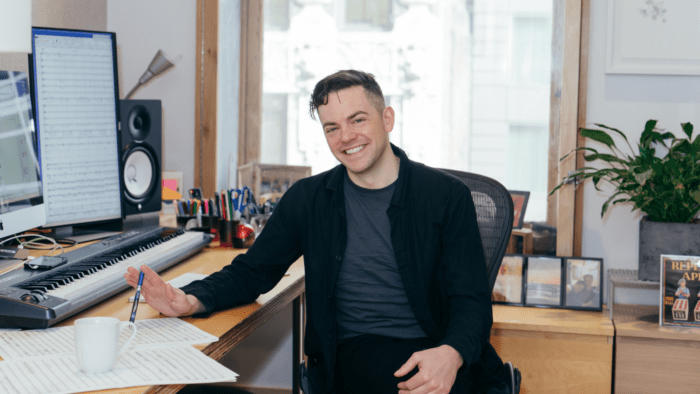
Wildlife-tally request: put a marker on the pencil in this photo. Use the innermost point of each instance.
(136, 298)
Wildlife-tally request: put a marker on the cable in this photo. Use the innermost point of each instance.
(34, 244)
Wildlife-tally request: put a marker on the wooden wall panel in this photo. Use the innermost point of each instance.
(250, 95)
(568, 125)
(205, 97)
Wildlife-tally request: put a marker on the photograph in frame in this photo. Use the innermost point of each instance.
(543, 280)
(508, 288)
(519, 205)
(680, 290)
(583, 283)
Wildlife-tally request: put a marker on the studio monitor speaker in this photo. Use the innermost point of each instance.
(141, 155)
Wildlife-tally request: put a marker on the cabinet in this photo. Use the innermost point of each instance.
(557, 350)
(651, 358)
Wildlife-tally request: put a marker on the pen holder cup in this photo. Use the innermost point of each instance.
(227, 229)
(189, 222)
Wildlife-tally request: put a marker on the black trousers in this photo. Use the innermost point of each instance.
(366, 364)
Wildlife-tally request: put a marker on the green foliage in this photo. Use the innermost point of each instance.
(667, 188)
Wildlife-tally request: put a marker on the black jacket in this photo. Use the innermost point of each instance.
(437, 247)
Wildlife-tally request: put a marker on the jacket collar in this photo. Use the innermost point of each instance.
(335, 179)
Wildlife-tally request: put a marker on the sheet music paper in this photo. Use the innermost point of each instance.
(61, 374)
(61, 340)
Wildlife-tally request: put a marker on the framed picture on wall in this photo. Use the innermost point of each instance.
(519, 205)
(508, 288)
(639, 33)
(543, 281)
(583, 284)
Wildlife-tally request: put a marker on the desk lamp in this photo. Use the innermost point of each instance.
(15, 26)
(158, 65)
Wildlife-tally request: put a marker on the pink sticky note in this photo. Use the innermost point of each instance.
(170, 184)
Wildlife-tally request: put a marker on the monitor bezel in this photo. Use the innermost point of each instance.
(91, 223)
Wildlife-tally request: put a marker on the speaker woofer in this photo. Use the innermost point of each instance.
(139, 123)
(141, 174)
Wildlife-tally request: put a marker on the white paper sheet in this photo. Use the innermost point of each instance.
(61, 340)
(61, 374)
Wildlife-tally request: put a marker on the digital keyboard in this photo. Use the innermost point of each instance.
(41, 298)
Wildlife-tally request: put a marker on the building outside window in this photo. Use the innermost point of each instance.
(469, 81)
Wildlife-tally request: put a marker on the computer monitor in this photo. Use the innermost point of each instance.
(76, 96)
(21, 202)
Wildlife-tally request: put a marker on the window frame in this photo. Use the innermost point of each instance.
(567, 104)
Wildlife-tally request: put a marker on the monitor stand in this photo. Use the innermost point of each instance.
(87, 233)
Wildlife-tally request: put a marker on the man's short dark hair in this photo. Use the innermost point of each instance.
(342, 80)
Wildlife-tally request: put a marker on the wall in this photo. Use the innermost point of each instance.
(626, 102)
(142, 28)
(73, 14)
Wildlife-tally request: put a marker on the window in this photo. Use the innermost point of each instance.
(443, 68)
(466, 125)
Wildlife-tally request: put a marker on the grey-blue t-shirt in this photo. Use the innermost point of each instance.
(369, 294)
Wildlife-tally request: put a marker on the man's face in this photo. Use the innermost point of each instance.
(356, 132)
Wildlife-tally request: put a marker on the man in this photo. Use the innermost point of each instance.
(682, 292)
(397, 297)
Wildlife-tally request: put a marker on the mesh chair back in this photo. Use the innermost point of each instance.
(494, 213)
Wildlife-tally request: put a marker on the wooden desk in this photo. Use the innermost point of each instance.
(650, 358)
(557, 351)
(231, 326)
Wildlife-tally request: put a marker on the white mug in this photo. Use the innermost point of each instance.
(97, 342)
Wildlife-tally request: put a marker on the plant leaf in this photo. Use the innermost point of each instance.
(696, 195)
(688, 128)
(598, 135)
(648, 129)
(576, 150)
(605, 157)
(613, 129)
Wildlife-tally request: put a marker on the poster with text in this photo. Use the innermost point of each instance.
(680, 290)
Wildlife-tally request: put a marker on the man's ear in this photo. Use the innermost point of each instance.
(388, 117)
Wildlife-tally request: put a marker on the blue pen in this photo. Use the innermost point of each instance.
(136, 298)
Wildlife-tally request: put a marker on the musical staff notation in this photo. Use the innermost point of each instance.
(77, 121)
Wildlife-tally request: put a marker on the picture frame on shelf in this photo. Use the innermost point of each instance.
(583, 283)
(520, 199)
(508, 288)
(543, 281)
(679, 303)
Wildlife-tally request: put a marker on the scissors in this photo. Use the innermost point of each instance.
(240, 201)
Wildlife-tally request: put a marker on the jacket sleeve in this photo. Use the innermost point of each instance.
(260, 268)
(465, 281)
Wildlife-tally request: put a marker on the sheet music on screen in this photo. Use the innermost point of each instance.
(76, 121)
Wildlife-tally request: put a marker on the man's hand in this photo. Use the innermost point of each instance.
(437, 371)
(160, 295)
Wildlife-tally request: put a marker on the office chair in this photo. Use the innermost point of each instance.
(494, 215)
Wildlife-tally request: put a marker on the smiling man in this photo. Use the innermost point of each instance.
(397, 296)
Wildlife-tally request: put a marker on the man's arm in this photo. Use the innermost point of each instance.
(466, 284)
(259, 269)
(465, 279)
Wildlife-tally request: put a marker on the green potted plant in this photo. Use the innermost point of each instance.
(663, 184)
